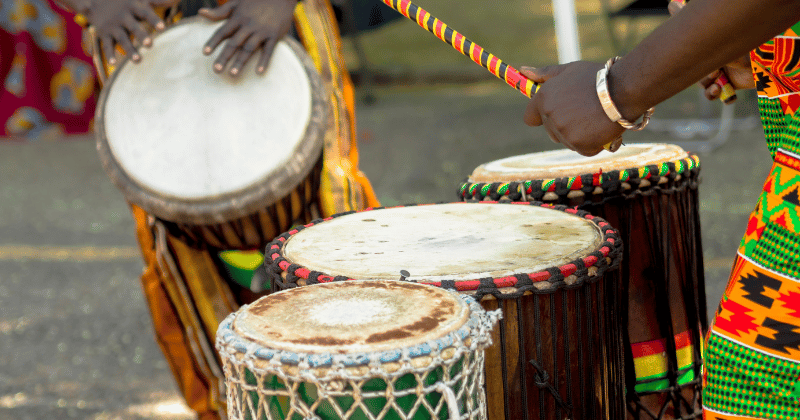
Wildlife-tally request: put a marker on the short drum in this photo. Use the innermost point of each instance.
(374, 350)
(226, 162)
(556, 353)
(649, 193)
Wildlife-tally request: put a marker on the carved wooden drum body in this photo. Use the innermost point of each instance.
(555, 354)
(229, 162)
(383, 350)
(649, 193)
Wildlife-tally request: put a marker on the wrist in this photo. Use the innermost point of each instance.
(603, 83)
(624, 93)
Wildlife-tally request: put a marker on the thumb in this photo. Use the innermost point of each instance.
(541, 74)
(218, 13)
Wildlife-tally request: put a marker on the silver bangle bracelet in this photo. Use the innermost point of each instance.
(608, 105)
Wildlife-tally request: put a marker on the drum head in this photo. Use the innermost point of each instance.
(566, 163)
(459, 241)
(193, 146)
(351, 317)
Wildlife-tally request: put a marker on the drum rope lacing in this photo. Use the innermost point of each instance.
(610, 182)
(589, 268)
(344, 375)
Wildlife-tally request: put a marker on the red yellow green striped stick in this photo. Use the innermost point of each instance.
(472, 50)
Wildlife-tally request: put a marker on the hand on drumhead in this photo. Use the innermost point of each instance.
(122, 23)
(566, 105)
(738, 72)
(252, 26)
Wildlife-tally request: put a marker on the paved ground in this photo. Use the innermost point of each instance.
(75, 337)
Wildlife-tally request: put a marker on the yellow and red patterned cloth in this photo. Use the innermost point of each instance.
(752, 358)
(48, 82)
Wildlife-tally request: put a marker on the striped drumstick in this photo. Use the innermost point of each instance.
(472, 50)
(463, 45)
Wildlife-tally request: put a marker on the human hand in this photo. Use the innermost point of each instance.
(253, 25)
(117, 21)
(737, 73)
(568, 107)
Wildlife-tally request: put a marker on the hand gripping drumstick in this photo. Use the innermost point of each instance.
(472, 50)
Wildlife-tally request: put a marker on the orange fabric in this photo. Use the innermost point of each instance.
(186, 295)
(192, 380)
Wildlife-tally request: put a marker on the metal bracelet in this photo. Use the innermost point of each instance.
(608, 104)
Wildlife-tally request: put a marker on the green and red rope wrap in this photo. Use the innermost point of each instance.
(463, 45)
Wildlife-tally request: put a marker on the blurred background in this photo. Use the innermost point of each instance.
(75, 336)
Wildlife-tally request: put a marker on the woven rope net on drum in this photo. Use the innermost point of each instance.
(414, 383)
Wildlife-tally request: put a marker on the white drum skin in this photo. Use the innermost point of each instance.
(193, 146)
(566, 163)
(457, 241)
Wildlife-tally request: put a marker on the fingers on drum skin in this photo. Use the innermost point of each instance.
(147, 14)
(246, 51)
(266, 54)
(232, 45)
(226, 30)
(123, 40)
(134, 27)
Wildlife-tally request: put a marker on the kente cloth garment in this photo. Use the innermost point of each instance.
(186, 291)
(752, 359)
(48, 81)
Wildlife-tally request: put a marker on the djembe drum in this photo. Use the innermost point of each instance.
(556, 353)
(649, 193)
(374, 350)
(227, 162)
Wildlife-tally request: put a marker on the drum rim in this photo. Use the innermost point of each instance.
(475, 331)
(585, 182)
(229, 206)
(607, 256)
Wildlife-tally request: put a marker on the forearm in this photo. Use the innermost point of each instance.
(706, 35)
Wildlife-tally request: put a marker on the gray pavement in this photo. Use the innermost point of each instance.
(75, 335)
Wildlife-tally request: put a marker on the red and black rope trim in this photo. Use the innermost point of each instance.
(610, 182)
(606, 257)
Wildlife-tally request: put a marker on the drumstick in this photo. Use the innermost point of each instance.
(727, 94)
(483, 58)
(463, 45)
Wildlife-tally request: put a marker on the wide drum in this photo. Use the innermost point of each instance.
(556, 352)
(228, 162)
(649, 193)
(374, 350)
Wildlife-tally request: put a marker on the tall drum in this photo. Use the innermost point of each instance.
(376, 350)
(649, 193)
(556, 351)
(229, 162)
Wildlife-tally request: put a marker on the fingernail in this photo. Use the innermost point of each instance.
(147, 42)
(160, 25)
(218, 67)
(112, 61)
(234, 71)
(207, 50)
(136, 57)
(261, 69)
(526, 68)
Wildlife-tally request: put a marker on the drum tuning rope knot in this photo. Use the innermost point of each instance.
(542, 381)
